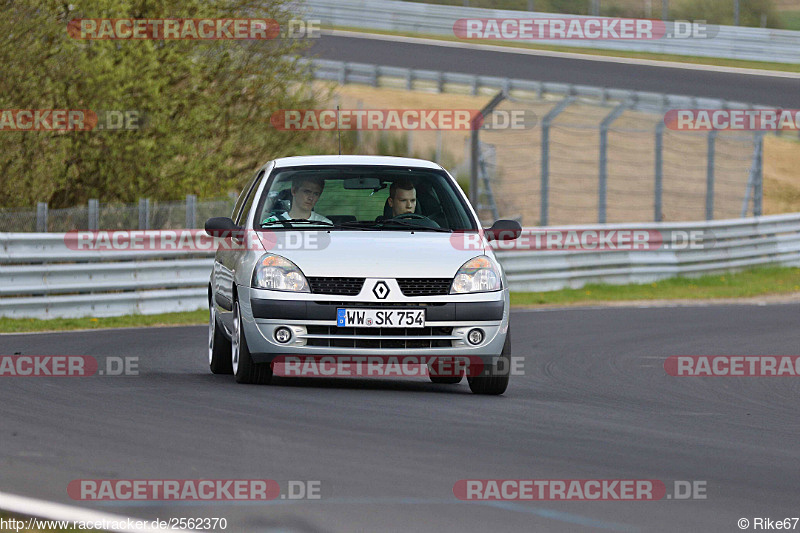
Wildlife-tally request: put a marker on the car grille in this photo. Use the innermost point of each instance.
(375, 338)
(424, 286)
(339, 286)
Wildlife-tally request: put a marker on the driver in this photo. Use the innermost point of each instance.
(402, 197)
(305, 195)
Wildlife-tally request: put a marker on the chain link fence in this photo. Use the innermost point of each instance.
(577, 155)
(145, 214)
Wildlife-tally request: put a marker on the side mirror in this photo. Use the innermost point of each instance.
(504, 230)
(222, 227)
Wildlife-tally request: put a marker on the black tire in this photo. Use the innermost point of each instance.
(219, 347)
(443, 380)
(494, 378)
(244, 369)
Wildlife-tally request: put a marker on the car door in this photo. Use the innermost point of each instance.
(229, 251)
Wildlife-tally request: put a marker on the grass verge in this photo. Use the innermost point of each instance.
(25, 325)
(715, 61)
(764, 281)
(749, 283)
(791, 20)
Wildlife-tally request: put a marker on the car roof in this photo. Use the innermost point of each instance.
(374, 160)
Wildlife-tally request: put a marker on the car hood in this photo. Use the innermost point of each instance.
(386, 254)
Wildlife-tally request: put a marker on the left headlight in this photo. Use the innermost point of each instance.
(279, 274)
(479, 274)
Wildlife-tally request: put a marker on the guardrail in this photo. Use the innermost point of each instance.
(731, 42)
(41, 277)
(726, 245)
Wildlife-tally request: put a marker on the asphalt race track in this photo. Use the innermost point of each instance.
(763, 90)
(594, 403)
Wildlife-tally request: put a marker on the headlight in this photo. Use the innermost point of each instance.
(479, 274)
(279, 274)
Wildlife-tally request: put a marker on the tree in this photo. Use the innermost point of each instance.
(204, 105)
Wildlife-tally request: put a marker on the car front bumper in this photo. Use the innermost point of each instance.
(312, 320)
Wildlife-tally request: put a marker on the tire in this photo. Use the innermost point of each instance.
(494, 378)
(219, 348)
(443, 380)
(244, 369)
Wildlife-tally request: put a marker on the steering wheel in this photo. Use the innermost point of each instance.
(413, 216)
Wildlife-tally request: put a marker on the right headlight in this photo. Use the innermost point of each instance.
(279, 274)
(479, 274)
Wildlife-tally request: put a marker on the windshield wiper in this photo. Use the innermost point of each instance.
(413, 225)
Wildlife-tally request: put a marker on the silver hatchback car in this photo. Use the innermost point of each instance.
(339, 256)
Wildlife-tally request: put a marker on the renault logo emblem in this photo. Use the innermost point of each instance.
(380, 290)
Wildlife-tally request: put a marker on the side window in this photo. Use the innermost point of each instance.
(248, 200)
(237, 208)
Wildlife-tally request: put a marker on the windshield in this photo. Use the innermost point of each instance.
(366, 198)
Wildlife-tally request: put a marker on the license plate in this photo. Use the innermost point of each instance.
(380, 318)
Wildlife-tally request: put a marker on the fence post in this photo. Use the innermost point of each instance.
(475, 145)
(659, 171)
(410, 143)
(603, 174)
(438, 156)
(144, 213)
(41, 217)
(712, 138)
(544, 209)
(94, 214)
(359, 134)
(758, 193)
(191, 211)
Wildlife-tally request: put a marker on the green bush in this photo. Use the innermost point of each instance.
(206, 104)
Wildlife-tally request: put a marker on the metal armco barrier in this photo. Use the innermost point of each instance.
(731, 42)
(727, 245)
(41, 278)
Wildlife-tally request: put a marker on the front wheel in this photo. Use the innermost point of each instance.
(219, 348)
(494, 378)
(244, 369)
